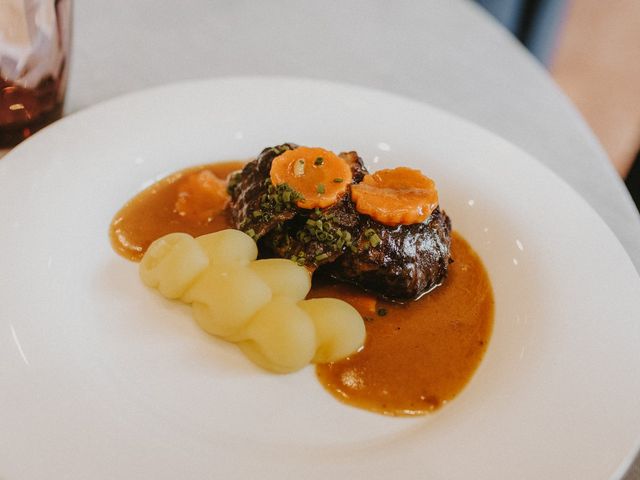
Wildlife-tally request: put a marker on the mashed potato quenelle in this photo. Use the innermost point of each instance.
(258, 304)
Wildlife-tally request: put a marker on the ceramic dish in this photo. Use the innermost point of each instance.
(101, 379)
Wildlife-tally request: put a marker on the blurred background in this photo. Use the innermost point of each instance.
(591, 48)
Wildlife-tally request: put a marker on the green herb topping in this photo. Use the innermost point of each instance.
(280, 149)
(372, 237)
(276, 200)
(319, 236)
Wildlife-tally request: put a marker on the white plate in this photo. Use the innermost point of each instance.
(100, 378)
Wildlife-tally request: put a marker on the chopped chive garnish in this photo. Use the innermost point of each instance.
(338, 180)
(382, 312)
(322, 256)
(320, 188)
(251, 232)
(374, 240)
(319, 161)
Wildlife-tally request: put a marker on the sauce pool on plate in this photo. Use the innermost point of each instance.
(417, 356)
(154, 211)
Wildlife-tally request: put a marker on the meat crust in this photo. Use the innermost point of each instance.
(398, 263)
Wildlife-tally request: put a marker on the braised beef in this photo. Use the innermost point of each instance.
(316, 237)
(405, 262)
(358, 170)
(319, 236)
(257, 206)
(399, 263)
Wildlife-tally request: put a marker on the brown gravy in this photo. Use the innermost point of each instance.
(152, 213)
(417, 356)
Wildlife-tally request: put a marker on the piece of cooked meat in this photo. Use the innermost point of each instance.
(319, 236)
(315, 237)
(399, 263)
(257, 206)
(405, 262)
(358, 170)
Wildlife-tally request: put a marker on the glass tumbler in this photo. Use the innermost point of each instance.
(35, 40)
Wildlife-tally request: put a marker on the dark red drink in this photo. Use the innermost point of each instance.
(32, 85)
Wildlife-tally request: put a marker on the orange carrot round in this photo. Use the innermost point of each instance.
(399, 196)
(319, 175)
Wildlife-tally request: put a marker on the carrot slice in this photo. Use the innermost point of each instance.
(319, 175)
(399, 196)
(201, 196)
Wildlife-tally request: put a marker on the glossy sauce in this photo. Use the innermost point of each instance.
(152, 213)
(417, 356)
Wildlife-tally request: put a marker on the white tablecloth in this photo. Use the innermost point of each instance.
(445, 52)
